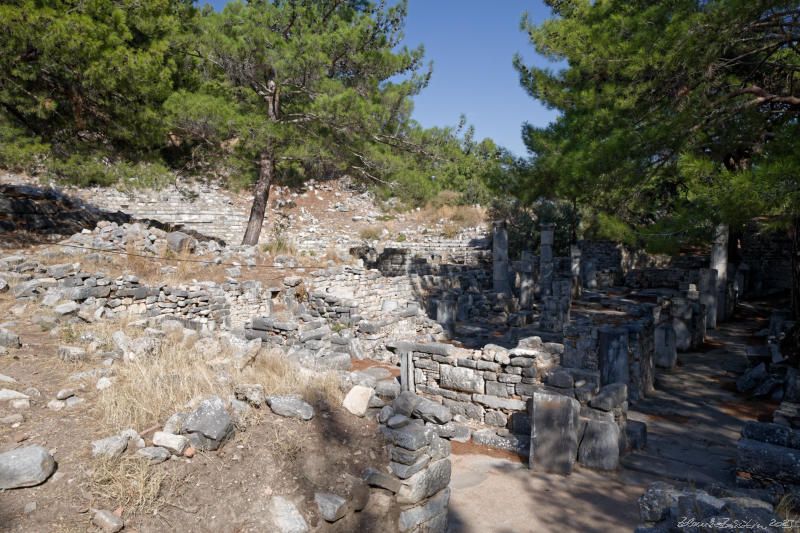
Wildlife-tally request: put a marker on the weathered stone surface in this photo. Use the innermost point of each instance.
(404, 471)
(499, 403)
(599, 447)
(436, 506)
(610, 396)
(406, 402)
(176, 444)
(174, 423)
(376, 478)
(154, 454)
(772, 434)
(431, 411)
(763, 460)
(388, 388)
(752, 378)
(554, 433)
(71, 354)
(9, 339)
(177, 242)
(109, 447)
(637, 434)
(291, 406)
(331, 507)
(25, 467)
(107, 521)
(411, 437)
(452, 431)
(425, 483)
(250, 393)
(211, 422)
(67, 308)
(285, 516)
(655, 503)
(8, 394)
(461, 379)
(357, 400)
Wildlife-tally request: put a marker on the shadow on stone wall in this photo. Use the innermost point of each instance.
(28, 214)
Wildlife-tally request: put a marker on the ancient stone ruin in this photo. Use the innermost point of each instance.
(544, 358)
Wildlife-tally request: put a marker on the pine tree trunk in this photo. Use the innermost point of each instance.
(260, 197)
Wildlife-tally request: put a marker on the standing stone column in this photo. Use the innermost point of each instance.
(500, 280)
(575, 270)
(708, 295)
(407, 372)
(446, 313)
(719, 262)
(527, 284)
(546, 260)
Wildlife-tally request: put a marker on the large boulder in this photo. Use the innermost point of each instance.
(25, 467)
(178, 242)
(209, 425)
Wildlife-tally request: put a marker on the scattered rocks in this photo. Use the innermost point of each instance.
(251, 393)
(176, 444)
(209, 425)
(63, 394)
(8, 394)
(331, 507)
(154, 454)
(71, 354)
(291, 406)
(107, 521)
(109, 447)
(285, 516)
(9, 339)
(25, 467)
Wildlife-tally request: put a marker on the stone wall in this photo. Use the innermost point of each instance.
(92, 295)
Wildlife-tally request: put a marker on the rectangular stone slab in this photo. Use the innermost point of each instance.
(554, 433)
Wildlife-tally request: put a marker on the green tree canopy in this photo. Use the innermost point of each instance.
(676, 110)
(90, 71)
(668, 107)
(301, 85)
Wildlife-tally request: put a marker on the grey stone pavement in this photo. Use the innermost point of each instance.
(693, 419)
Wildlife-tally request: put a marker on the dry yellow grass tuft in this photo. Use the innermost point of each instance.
(132, 483)
(444, 209)
(150, 390)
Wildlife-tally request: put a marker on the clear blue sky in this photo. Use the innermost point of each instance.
(471, 44)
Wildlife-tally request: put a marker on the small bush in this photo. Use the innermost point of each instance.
(372, 233)
(451, 230)
(401, 238)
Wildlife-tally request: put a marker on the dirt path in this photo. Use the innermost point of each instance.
(693, 420)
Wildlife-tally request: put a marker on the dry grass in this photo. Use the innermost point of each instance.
(147, 269)
(281, 376)
(279, 245)
(372, 233)
(70, 333)
(150, 390)
(444, 210)
(132, 483)
(787, 509)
